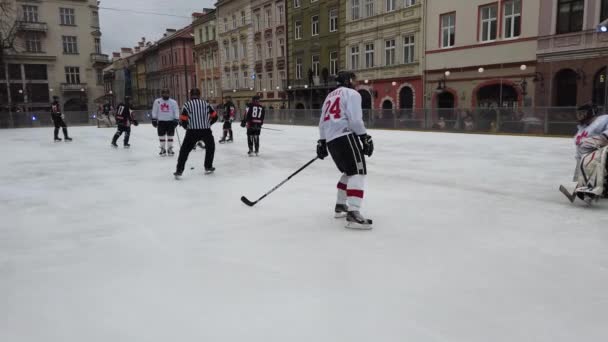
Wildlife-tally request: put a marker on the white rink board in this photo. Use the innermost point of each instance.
(472, 242)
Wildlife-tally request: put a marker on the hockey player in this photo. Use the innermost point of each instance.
(591, 143)
(196, 118)
(343, 133)
(227, 118)
(253, 120)
(124, 118)
(106, 109)
(165, 117)
(57, 116)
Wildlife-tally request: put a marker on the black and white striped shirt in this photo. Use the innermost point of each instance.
(199, 114)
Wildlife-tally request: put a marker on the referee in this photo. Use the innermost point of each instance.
(196, 118)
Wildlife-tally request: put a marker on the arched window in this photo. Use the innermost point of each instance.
(566, 88)
(406, 98)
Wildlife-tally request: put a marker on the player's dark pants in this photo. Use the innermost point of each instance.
(119, 131)
(192, 137)
(166, 128)
(227, 130)
(347, 153)
(253, 138)
(58, 122)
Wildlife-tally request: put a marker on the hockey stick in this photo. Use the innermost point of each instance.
(251, 204)
(272, 129)
(178, 139)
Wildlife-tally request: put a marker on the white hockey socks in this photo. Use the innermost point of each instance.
(354, 192)
(342, 187)
(170, 141)
(161, 139)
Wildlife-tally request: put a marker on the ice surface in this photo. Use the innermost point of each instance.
(472, 242)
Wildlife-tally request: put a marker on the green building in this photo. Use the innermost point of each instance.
(315, 52)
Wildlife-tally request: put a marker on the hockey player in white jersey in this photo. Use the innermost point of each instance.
(343, 133)
(591, 143)
(165, 117)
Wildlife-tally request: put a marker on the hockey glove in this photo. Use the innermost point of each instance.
(154, 123)
(243, 123)
(135, 122)
(368, 144)
(322, 149)
(175, 123)
(213, 118)
(184, 124)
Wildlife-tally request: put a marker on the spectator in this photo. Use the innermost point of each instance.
(469, 124)
(441, 124)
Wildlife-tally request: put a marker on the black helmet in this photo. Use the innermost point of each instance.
(55, 98)
(346, 79)
(256, 98)
(586, 112)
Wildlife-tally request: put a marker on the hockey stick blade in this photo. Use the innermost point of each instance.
(247, 202)
(570, 196)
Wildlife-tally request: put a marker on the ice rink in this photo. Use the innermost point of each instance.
(472, 242)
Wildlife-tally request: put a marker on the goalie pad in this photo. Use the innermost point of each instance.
(592, 173)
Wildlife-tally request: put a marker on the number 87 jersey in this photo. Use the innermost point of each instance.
(341, 114)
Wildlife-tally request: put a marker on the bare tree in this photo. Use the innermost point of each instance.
(8, 31)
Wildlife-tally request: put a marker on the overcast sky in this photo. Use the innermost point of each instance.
(125, 29)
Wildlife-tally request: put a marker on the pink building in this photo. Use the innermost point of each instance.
(175, 63)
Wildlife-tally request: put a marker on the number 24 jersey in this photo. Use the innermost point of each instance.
(341, 114)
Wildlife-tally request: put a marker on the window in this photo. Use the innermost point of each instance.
(258, 22)
(448, 30)
(97, 43)
(225, 24)
(570, 15)
(282, 47)
(67, 16)
(99, 73)
(408, 3)
(280, 13)
(488, 23)
(604, 10)
(227, 52)
(512, 20)
(354, 5)
(235, 51)
(369, 55)
(369, 8)
(270, 81)
(268, 18)
(32, 42)
(296, 3)
(390, 5)
(315, 25)
(260, 83)
(244, 49)
(95, 18)
(245, 79)
(258, 52)
(30, 13)
(227, 81)
(298, 31)
(203, 63)
(70, 45)
(234, 21)
(389, 52)
(333, 63)
(269, 49)
(282, 75)
(409, 44)
(72, 75)
(213, 33)
(354, 57)
(333, 20)
(243, 18)
(315, 65)
(236, 80)
(298, 68)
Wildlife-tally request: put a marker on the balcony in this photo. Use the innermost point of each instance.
(69, 87)
(33, 26)
(100, 59)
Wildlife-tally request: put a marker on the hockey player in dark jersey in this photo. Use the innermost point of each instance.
(253, 120)
(124, 118)
(57, 116)
(227, 118)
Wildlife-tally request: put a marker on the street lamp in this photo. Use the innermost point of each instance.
(481, 70)
(442, 82)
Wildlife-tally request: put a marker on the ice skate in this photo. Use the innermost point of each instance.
(340, 211)
(162, 152)
(250, 153)
(126, 145)
(229, 140)
(354, 220)
(67, 139)
(178, 174)
(57, 139)
(114, 144)
(209, 170)
(222, 141)
(170, 151)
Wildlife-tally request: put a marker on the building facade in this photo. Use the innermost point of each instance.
(206, 54)
(270, 51)
(176, 63)
(235, 42)
(57, 53)
(315, 54)
(572, 53)
(480, 54)
(383, 43)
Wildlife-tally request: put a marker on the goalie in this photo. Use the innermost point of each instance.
(591, 140)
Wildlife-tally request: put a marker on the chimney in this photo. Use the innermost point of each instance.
(125, 52)
(148, 44)
(141, 44)
(137, 49)
(196, 15)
